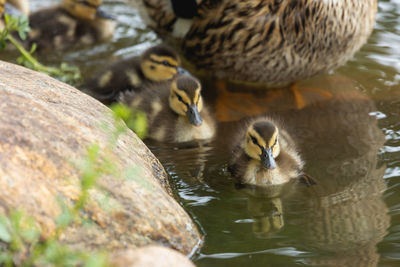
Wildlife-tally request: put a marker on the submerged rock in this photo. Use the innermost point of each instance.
(45, 129)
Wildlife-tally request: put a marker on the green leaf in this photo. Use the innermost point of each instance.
(66, 216)
(4, 233)
(96, 260)
(33, 48)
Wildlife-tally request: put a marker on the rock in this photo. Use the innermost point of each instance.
(45, 129)
(155, 256)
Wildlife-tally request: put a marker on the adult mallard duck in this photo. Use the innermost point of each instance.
(265, 154)
(73, 22)
(274, 42)
(157, 64)
(175, 110)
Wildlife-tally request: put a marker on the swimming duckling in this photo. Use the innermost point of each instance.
(263, 41)
(157, 64)
(175, 111)
(74, 22)
(266, 155)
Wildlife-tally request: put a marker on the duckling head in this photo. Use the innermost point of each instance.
(160, 63)
(2, 7)
(262, 143)
(185, 98)
(86, 9)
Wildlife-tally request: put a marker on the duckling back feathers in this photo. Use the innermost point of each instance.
(55, 29)
(157, 64)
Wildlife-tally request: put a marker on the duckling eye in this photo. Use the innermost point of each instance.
(165, 63)
(179, 97)
(254, 140)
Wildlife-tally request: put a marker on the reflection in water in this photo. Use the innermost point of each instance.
(267, 215)
(265, 208)
(343, 217)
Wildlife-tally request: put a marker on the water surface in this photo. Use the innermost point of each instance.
(349, 137)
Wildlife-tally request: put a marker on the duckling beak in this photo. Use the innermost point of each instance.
(267, 159)
(183, 71)
(194, 115)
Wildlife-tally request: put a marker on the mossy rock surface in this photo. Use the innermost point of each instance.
(45, 129)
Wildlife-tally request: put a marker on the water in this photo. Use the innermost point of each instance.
(349, 137)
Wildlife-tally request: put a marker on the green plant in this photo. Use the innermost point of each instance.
(20, 25)
(136, 120)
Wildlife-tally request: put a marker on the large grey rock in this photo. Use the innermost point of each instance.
(45, 129)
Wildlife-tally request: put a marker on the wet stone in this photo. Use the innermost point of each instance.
(45, 129)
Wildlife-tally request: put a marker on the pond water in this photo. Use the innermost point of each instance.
(349, 137)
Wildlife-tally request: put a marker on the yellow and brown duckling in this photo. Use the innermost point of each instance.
(72, 23)
(175, 111)
(2, 9)
(263, 41)
(265, 155)
(13, 7)
(21, 5)
(157, 64)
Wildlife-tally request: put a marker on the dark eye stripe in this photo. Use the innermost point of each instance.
(180, 98)
(254, 140)
(164, 62)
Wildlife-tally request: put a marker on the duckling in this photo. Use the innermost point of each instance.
(2, 9)
(271, 42)
(74, 22)
(265, 155)
(157, 64)
(175, 111)
(14, 8)
(21, 5)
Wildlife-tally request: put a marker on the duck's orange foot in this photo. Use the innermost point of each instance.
(306, 95)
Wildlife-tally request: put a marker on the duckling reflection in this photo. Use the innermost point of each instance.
(267, 215)
(265, 154)
(72, 23)
(345, 215)
(157, 64)
(175, 111)
(189, 163)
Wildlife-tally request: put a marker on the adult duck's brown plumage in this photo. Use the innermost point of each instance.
(274, 42)
(175, 110)
(157, 64)
(265, 154)
(71, 23)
